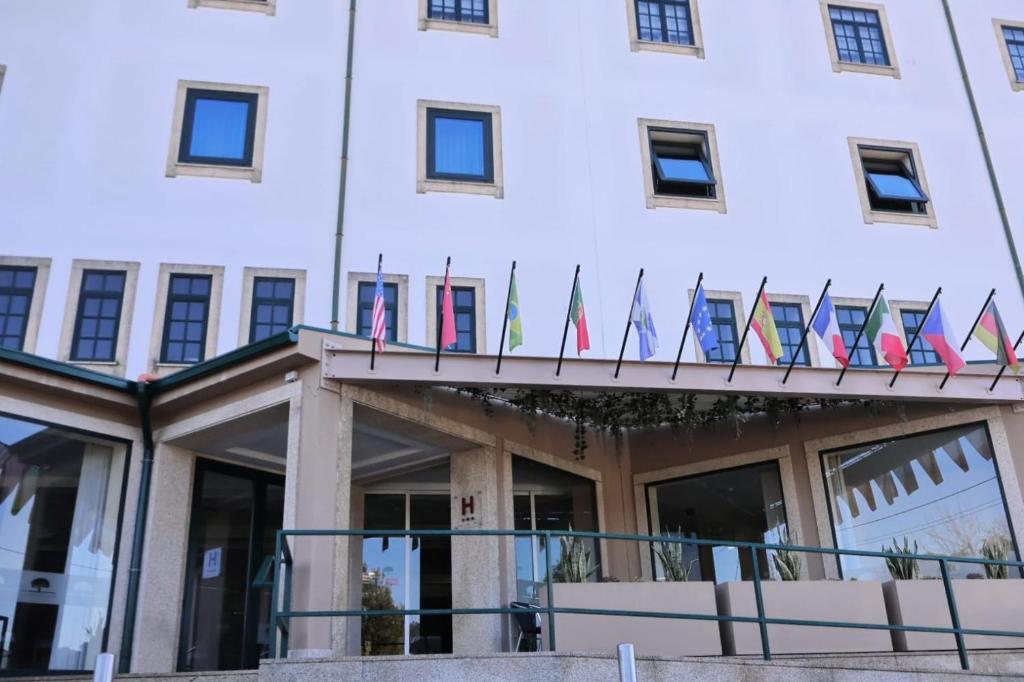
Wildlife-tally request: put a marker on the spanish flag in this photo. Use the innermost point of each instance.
(764, 324)
(992, 334)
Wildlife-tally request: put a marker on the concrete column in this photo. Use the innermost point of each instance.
(155, 649)
(476, 561)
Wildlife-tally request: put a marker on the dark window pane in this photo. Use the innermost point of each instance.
(364, 317)
(464, 302)
(17, 285)
(858, 36)
(664, 21)
(188, 306)
(272, 307)
(723, 318)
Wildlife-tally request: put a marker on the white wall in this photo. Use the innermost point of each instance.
(85, 118)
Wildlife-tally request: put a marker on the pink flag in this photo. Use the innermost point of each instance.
(448, 336)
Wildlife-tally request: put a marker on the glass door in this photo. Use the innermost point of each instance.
(225, 617)
(406, 573)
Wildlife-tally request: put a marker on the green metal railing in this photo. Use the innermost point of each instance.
(282, 612)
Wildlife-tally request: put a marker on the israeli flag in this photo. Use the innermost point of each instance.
(644, 323)
(700, 318)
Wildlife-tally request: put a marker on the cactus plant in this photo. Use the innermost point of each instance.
(787, 563)
(674, 567)
(573, 562)
(901, 568)
(996, 548)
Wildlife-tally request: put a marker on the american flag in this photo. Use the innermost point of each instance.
(379, 328)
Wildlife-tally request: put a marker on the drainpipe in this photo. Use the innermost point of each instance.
(339, 232)
(138, 535)
(1007, 231)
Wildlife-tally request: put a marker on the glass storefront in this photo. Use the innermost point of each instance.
(60, 497)
(934, 493)
(743, 504)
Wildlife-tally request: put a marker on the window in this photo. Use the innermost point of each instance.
(265, 6)
(186, 319)
(665, 26)
(60, 500)
(1011, 39)
(789, 320)
(859, 38)
(273, 302)
(218, 131)
(469, 16)
(891, 182)
(364, 316)
(851, 321)
(939, 490)
(723, 317)
(920, 353)
(17, 286)
(464, 300)
(99, 316)
(735, 504)
(459, 149)
(679, 165)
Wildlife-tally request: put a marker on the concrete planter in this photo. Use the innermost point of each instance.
(833, 600)
(982, 604)
(579, 633)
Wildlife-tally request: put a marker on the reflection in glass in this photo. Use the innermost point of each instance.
(60, 495)
(743, 504)
(940, 490)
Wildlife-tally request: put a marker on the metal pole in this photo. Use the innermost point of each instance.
(856, 339)
(504, 323)
(974, 326)
(755, 566)
(339, 231)
(746, 330)
(568, 316)
(104, 669)
(954, 616)
(275, 598)
(373, 341)
(1003, 368)
(686, 325)
(629, 322)
(551, 592)
(440, 318)
(896, 375)
(803, 339)
(627, 663)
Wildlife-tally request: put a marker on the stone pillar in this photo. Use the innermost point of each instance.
(476, 561)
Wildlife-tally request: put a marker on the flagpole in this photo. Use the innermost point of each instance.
(910, 345)
(963, 345)
(856, 340)
(373, 341)
(746, 330)
(629, 321)
(440, 321)
(504, 324)
(803, 339)
(568, 316)
(686, 325)
(1003, 368)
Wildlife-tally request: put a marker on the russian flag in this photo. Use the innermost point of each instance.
(938, 332)
(826, 326)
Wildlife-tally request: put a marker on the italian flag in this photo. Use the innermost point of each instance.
(881, 330)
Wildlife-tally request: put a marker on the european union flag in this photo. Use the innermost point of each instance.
(700, 318)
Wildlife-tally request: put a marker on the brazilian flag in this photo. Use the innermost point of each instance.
(515, 326)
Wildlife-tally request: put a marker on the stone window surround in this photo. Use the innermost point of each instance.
(636, 45)
(1000, 446)
(401, 301)
(216, 273)
(252, 173)
(268, 7)
(780, 454)
(479, 299)
(35, 313)
(425, 23)
(424, 184)
(741, 321)
(893, 70)
(510, 448)
(897, 148)
(805, 309)
(1004, 51)
(131, 280)
(655, 200)
(249, 275)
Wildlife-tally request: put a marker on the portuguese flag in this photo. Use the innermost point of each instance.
(881, 330)
(579, 318)
(991, 332)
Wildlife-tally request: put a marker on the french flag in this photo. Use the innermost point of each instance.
(826, 326)
(937, 331)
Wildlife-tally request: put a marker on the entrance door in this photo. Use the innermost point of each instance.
(235, 515)
(407, 573)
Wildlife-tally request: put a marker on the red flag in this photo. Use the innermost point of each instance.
(448, 336)
(579, 318)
